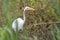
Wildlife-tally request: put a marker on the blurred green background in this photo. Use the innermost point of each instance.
(41, 24)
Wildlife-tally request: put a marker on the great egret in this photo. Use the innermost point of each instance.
(20, 22)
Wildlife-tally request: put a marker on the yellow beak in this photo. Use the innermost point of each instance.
(31, 9)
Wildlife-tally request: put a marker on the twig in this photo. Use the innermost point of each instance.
(46, 23)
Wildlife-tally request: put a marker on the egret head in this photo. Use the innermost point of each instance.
(28, 8)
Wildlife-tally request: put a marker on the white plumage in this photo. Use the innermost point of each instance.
(20, 22)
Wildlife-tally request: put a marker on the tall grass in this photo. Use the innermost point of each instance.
(55, 29)
(7, 32)
(55, 32)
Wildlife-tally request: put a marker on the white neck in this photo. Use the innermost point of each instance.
(24, 17)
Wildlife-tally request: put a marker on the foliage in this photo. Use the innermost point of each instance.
(41, 24)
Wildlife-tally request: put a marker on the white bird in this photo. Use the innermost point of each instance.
(20, 22)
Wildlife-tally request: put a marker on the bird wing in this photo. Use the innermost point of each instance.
(20, 24)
